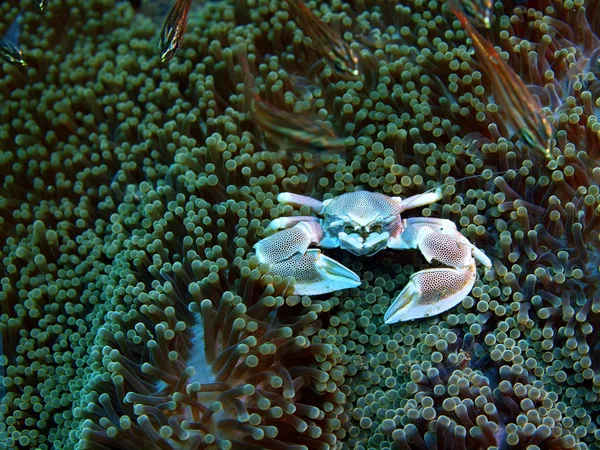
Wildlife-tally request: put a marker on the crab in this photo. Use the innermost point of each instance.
(364, 223)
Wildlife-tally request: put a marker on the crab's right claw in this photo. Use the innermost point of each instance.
(430, 292)
(316, 273)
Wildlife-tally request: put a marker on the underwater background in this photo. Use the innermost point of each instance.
(133, 311)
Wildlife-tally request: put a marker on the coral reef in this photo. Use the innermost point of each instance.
(133, 312)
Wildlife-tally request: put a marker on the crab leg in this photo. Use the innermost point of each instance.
(288, 254)
(288, 222)
(288, 198)
(418, 200)
(433, 291)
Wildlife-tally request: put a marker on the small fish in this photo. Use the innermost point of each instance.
(480, 11)
(329, 44)
(40, 4)
(173, 30)
(304, 87)
(294, 131)
(11, 53)
(289, 130)
(517, 104)
(9, 44)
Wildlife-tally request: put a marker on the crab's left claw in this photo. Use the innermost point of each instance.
(288, 254)
(430, 292)
(316, 273)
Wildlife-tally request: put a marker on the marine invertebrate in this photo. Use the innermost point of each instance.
(133, 192)
(231, 372)
(365, 223)
(463, 411)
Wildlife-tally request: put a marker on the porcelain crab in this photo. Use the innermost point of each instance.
(365, 223)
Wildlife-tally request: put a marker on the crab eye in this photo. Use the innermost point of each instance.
(376, 228)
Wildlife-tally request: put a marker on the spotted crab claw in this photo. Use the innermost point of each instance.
(288, 254)
(430, 292)
(316, 273)
(433, 291)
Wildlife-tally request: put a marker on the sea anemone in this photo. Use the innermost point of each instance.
(133, 311)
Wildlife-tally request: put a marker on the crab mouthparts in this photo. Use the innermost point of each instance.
(360, 246)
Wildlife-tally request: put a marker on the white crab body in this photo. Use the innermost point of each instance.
(365, 223)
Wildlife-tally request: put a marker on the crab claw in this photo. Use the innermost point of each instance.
(316, 273)
(289, 243)
(288, 254)
(430, 292)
